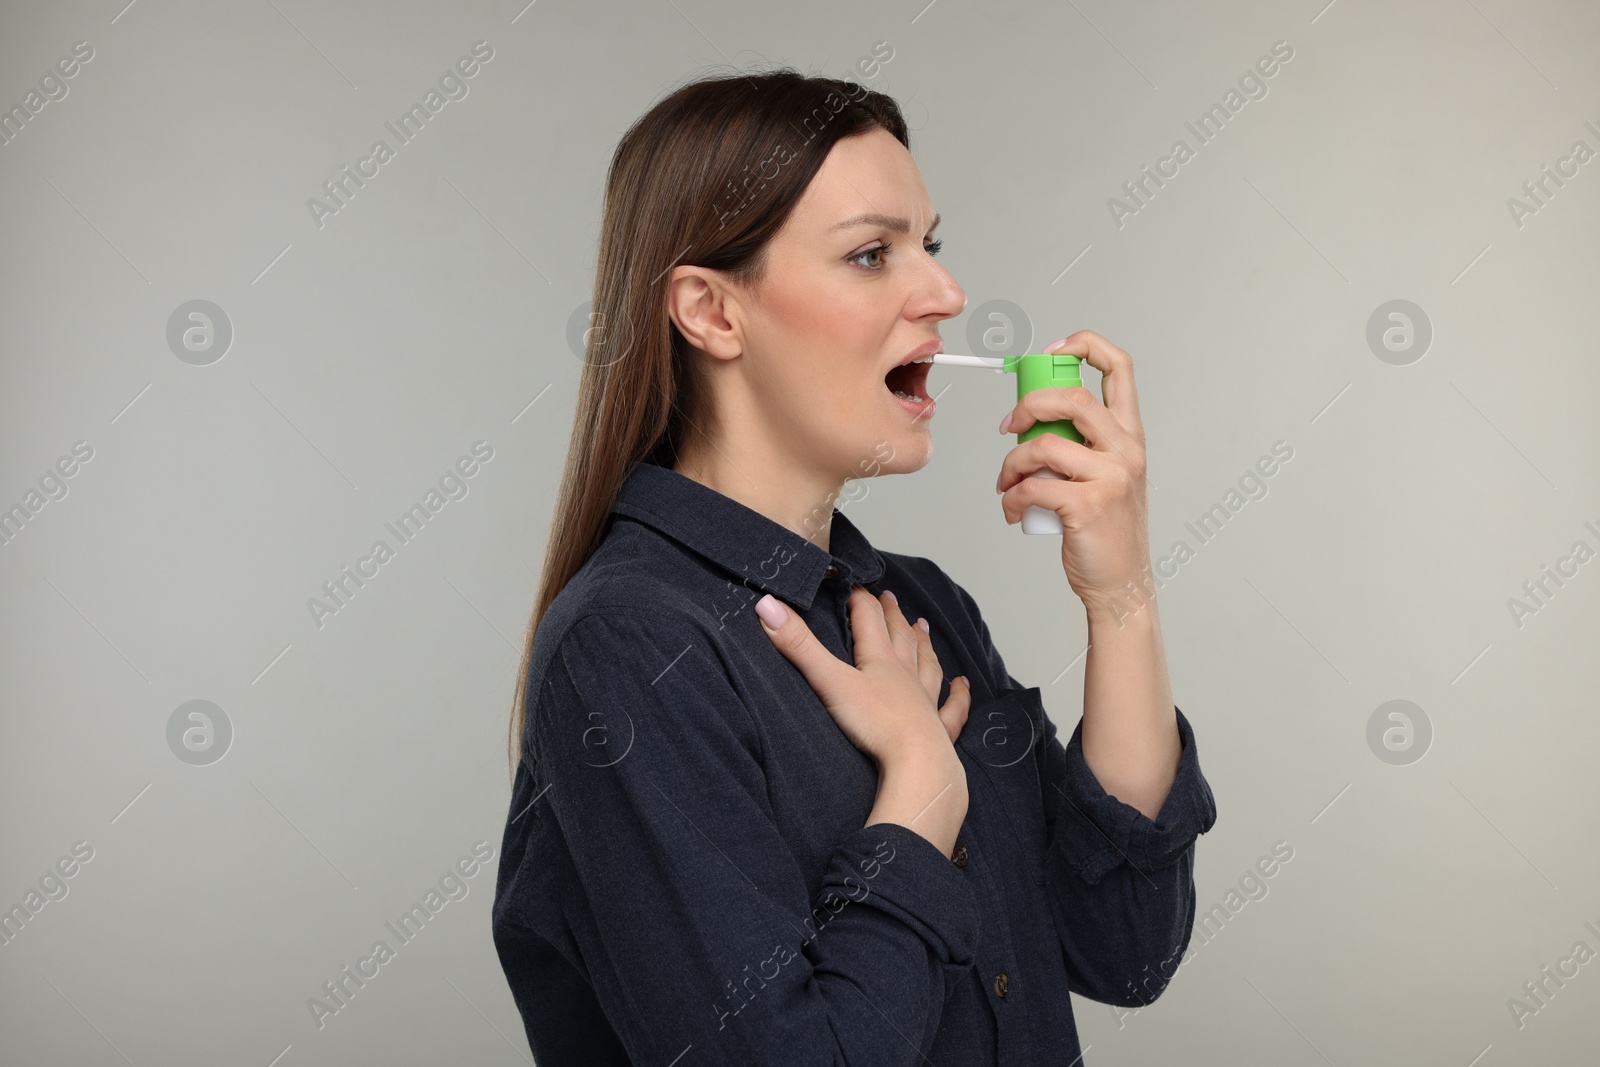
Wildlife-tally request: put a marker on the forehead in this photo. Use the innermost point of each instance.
(869, 173)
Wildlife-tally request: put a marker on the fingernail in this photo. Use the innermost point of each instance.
(922, 624)
(962, 679)
(1052, 344)
(997, 479)
(1005, 423)
(892, 598)
(772, 612)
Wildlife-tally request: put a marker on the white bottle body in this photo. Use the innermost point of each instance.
(1037, 520)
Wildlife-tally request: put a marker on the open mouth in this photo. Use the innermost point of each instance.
(909, 383)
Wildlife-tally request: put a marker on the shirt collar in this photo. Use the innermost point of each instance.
(749, 546)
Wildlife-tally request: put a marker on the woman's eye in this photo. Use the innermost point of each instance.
(875, 250)
(932, 247)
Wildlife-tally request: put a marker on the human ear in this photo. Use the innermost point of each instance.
(706, 311)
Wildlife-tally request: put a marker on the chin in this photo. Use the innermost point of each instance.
(903, 453)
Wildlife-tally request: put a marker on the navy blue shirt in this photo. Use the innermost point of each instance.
(685, 878)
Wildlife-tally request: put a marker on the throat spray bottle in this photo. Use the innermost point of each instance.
(1039, 370)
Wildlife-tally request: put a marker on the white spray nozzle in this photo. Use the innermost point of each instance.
(950, 359)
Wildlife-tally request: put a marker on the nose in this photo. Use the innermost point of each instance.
(940, 296)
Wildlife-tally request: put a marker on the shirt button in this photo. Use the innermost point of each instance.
(1001, 984)
(832, 571)
(960, 855)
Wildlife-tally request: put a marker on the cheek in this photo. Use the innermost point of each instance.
(836, 325)
(833, 337)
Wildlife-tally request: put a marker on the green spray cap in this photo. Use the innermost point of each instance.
(1045, 370)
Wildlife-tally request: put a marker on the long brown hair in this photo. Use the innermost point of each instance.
(706, 177)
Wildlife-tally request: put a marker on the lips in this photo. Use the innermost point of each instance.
(922, 351)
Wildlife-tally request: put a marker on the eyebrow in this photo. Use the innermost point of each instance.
(888, 222)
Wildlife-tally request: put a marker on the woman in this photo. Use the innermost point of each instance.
(751, 820)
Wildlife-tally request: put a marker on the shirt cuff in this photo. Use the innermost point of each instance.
(1096, 831)
(905, 875)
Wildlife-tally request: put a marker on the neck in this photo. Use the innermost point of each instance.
(768, 481)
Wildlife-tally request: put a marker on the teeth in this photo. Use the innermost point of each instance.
(905, 396)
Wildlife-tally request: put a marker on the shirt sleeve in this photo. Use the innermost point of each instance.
(699, 931)
(1120, 885)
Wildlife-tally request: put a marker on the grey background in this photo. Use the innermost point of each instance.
(367, 356)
